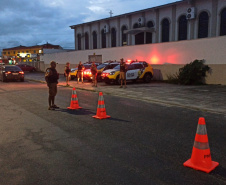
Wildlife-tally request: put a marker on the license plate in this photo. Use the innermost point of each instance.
(15, 73)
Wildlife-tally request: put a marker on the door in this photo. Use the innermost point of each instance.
(95, 58)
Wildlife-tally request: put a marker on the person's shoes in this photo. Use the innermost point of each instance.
(51, 108)
(120, 87)
(125, 87)
(55, 107)
(93, 85)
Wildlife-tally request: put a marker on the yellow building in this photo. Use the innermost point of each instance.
(26, 54)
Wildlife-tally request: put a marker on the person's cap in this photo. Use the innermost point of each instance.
(52, 62)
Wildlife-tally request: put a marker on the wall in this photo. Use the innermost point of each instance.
(158, 54)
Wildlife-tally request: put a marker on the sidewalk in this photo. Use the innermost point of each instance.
(210, 98)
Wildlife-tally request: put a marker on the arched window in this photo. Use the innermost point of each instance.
(165, 30)
(79, 37)
(203, 25)
(113, 37)
(94, 40)
(150, 24)
(182, 28)
(86, 40)
(223, 22)
(103, 39)
(124, 36)
(139, 37)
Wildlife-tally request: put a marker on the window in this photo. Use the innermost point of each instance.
(103, 39)
(113, 37)
(8, 52)
(203, 25)
(94, 40)
(223, 22)
(183, 27)
(135, 25)
(26, 51)
(34, 51)
(86, 41)
(150, 24)
(124, 36)
(138, 66)
(79, 37)
(14, 52)
(165, 30)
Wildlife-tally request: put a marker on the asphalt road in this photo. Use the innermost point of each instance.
(141, 144)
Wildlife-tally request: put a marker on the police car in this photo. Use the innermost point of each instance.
(100, 69)
(135, 71)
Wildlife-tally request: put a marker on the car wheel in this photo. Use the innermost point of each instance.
(72, 77)
(147, 78)
(118, 81)
(22, 79)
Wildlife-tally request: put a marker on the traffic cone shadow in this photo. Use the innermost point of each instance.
(101, 111)
(74, 100)
(201, 157)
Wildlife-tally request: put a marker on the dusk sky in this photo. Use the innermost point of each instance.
(31, 22)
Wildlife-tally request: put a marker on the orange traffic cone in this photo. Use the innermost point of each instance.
(101, 112)
(201, 157)
(74, 100)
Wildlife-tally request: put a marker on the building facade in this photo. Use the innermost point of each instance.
(182, 20)
(26, 54)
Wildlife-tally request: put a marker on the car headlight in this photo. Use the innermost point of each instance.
(112, 73)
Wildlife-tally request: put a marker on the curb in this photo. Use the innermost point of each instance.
(167, 103)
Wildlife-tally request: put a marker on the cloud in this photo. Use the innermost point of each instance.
(27, 22)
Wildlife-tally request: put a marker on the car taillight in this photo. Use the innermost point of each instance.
(107, 74)
(21, 72)
(8, 72)
(84, 73)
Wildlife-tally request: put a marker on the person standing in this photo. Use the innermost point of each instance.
(80, 71)
(94, 74)
(123, 68)
(67, 71)
(52, 77)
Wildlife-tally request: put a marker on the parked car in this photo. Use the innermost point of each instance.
(26, 67)
(11, 72)
(135, 71)
(73, 73)
(100, 69)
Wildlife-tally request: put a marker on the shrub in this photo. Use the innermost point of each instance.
(193, 73)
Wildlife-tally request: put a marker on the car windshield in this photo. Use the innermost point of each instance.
(87, 66)
(12, 68)
(101, 66)
(117, 67)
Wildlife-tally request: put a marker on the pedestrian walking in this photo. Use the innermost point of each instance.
(123, 69)
(80, 71)
(51, 77)
(67, 71)
(94, 74)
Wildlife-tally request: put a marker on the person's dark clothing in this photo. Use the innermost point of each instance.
(93, 70)
(67, 70)
(122, 68)
(53, 78)
(80, 66)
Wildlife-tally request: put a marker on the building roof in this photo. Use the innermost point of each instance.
(127, 14)
(46, 46)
